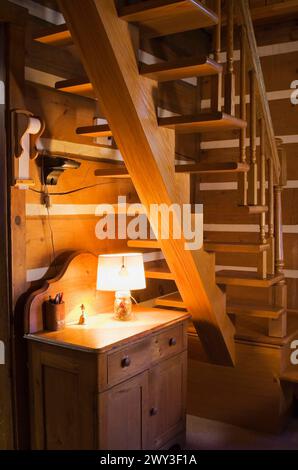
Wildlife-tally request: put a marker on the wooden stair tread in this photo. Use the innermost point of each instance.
(209, 168)
(255, 330)
(247, 279)
(112, 172)
(158, 270)
(230, 247)
(143, 244)
(76, 86)
(290, 375)
(253, 210)
(100, 130)
(55, 36)
(254, 310)
(163, 17)
(198, 123)
(181, 68)
(203, 122)
(173, 300)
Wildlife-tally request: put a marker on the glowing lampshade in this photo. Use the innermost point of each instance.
(121, 272)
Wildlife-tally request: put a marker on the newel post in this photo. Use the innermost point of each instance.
(278, 328)
(278, 229)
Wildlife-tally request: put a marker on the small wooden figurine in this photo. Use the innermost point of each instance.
(83, 317)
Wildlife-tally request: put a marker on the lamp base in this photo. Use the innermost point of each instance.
(123, 306)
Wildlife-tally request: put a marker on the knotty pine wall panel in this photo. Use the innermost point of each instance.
(220, 207)
(178, 97)
(62, 112)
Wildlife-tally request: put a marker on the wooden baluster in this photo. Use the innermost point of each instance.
(253, 172)
(262, 264)
(242, 178)
(278, 328)
(278, 189)
(270, 218)
(230, 76)
(262, 181)
(216, 80)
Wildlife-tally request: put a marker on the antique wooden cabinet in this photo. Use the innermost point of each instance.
(110, 385)
(107, 384)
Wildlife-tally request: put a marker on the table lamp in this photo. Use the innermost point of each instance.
(121, 273)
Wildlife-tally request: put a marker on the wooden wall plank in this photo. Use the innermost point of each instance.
(62, 112)
(230, 213)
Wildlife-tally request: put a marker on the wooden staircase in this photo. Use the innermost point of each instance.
(209, 122)
(126, 88)
(178, 69)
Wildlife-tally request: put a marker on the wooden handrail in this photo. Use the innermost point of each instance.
(255, 60)
(230, 77)
(216, 80)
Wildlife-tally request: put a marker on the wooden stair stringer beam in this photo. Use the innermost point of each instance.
(206, 266)
(109, 56)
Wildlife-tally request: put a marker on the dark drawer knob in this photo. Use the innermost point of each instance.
(173, 342)
(153, 411)
(125, 362)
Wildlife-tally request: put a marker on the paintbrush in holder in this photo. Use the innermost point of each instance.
(55, 314)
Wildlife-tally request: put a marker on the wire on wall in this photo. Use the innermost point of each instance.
(46, 200)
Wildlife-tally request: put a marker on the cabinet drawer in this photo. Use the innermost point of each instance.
(168, 343)
(129, 361)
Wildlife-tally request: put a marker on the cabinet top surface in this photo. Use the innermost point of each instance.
(102, 332)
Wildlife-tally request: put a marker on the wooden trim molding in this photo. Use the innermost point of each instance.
(15, 35)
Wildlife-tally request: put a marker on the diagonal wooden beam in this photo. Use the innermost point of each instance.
(108, 48)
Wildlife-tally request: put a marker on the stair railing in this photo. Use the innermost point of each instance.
(247, 23)
(270, 161)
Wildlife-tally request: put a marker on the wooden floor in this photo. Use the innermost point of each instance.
(204, 434)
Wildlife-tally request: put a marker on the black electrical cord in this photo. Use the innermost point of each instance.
(52, 241)
(45, 192)
(71, 191)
